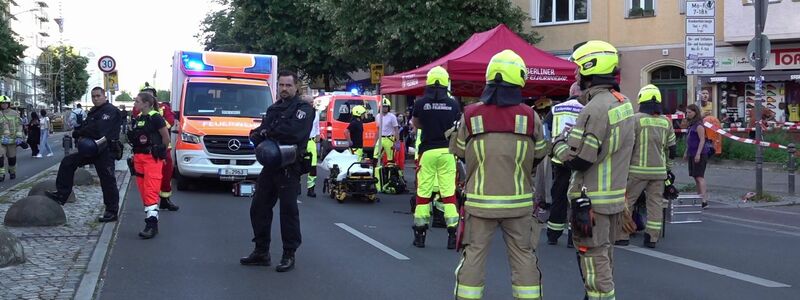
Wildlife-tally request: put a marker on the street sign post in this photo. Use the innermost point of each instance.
(112, 82)
(376, 73)
(699, 46)
(759, 56)
(107, 64)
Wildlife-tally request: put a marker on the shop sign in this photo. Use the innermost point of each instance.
(735, 59)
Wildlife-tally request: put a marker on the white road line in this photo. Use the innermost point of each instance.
(797, 234)
(777, 211)
(752, 221)
(372, 242)
(705, 267)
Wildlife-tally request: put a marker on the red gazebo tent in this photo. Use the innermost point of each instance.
(547, 74)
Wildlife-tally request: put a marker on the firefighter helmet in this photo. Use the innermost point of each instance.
(386, 101)
(648, 93)
(358, 111)
(596, 58)
(438, 75)
(510, 66)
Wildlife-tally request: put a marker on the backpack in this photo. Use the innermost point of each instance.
(78, 117)
(390, 180)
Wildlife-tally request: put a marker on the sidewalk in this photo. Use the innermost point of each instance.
(57, 257)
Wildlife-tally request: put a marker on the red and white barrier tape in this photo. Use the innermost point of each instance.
(676, 116)
(742, 140)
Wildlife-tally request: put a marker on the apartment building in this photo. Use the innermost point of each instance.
(31, 21)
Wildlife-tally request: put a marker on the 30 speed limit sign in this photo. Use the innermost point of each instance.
(107, 64)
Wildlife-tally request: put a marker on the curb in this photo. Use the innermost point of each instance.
(87, 288)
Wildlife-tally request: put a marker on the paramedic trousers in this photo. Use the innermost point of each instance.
(311, 147)
(437, 167)
(104, 165)
(387, 146)
(520, 235)
(276, 186)
(166, 176)
(654, 190)
(557, 221)
(150, 182)
(595, 256)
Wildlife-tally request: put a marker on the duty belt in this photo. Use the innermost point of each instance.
(141, 150)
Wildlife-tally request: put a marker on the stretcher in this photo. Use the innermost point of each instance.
(348, 177)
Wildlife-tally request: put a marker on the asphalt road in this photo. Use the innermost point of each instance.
(28, 166)
(733, 254)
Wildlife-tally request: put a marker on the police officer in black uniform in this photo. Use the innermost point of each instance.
(103, 120)
(288, 122)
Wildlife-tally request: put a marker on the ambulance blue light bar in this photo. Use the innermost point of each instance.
(222, 64)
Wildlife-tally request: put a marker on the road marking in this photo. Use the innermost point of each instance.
(705, 267)
(752, 221)
(372, 242)
(298, 202)
(777, 211)
(757, 227)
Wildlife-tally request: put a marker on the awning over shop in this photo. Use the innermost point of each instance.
(547, 74)
(750, 76)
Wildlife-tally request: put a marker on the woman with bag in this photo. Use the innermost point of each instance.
(34, 134)
(698, 149)
(46, 128)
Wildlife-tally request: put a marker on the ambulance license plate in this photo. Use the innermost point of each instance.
(232, 172)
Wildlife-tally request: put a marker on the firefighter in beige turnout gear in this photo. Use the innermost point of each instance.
(501, 140)
(655, 139)
(598, 151)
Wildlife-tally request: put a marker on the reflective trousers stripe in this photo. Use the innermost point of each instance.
(527, 292)
(556, 226)
(469, 292)
(601, 296)
(655, 225)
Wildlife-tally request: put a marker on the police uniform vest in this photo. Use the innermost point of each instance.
(144, 133)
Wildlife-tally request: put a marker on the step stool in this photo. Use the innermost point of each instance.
(685, 209)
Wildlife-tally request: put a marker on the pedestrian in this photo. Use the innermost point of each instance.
(501, 140)
(101, 124)
(47, 128)
(355, 131)
(435, 113)
(76, 117)
(24, 121)
(655, 144)
(598, 151)
(287, 122)
(390, 131)
(164, 109)
(564, 117)
(698, 149)
(311, 147)
(124, 115)
(149, 138)
(11, 136)
(34, 134)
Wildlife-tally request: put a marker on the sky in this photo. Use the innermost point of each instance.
(141, 35)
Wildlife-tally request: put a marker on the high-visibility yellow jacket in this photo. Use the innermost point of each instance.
(654, 136)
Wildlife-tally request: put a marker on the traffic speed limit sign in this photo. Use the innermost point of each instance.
(107, 64)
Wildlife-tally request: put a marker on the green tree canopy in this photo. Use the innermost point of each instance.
(123, 96)
(163, 95)
(11, 51)
(76, 79)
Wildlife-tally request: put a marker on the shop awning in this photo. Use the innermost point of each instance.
(547, 74)
(785, 75)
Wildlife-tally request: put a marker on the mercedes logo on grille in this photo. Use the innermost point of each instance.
(234, 145)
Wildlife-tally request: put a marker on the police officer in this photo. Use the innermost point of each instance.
(165, 110)
(149, 138)
(435, 113)
(502, 142)
(102, 123)
(598, 151)
(287, 122)
(10, 136)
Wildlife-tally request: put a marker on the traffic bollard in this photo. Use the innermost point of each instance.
(792, 167)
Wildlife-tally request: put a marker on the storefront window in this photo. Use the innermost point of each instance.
(737, 103)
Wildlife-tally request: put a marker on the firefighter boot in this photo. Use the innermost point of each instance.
(311, 193)
(569, 239)
(287, 261)
(552, 236)
(451, 237)
(647, 242)
(165, 203)
(150, 228)
(419, 235)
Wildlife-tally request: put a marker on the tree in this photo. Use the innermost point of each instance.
(76, 79)
(11, 51)
(163, 95)
(407, 34)
(123, 96)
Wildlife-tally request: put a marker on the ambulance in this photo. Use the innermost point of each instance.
(218, 98)
(335, 117)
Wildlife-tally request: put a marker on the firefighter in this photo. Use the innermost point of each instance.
(149, 137)
(564, 117)
(165, 110)
(502, 142)
(597, 149)
(390, 131)
(655, 144)
(355, 131)
(287, 122)
(435, 113)
(11, 135)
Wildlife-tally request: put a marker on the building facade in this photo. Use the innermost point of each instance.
(31, 21)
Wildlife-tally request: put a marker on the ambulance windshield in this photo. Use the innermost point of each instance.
(226, 100)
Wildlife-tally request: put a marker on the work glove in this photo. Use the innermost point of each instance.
(257, 136)
(628, 224)
(582, 219)
(5, 140)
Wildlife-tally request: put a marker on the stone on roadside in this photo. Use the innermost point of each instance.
(11, 251)
(33, 211)
(83, 177)
(48, 185)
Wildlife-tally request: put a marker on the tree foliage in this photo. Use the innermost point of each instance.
(162, 95)
(123, 96)
(11, 51)
(76, 79)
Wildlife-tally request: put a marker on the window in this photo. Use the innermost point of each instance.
(641, 8)
(342, 107)
(226, 100)
(561, 11)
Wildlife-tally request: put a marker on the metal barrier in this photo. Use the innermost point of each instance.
(791, 166)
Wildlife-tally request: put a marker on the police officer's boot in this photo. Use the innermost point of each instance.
(419, 235)
(647, 242)
(256, 258)
(165, 203)
(552, 236)
(451, 237)
(287, 261)
(150, 228)
(12, 176)
(56, 196)
(311, 193)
